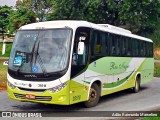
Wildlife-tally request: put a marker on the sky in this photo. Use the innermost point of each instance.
(7, 2)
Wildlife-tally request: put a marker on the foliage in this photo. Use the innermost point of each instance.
(138, 16)
(155, 36)
(40, 7)
(157, 69)
(25, 13)
(97, 11)
(141, 17)
(4, 18)
(20, 17)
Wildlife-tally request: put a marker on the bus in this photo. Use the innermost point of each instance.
(65, 62)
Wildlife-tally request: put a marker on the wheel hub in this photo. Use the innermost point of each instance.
(93, 95)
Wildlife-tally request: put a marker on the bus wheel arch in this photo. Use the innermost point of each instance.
(94, 94)
(137, 83)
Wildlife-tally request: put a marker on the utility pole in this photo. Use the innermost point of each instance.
(4, 43)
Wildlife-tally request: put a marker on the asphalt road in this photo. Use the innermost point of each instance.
(147, 99)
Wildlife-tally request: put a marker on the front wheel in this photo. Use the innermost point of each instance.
(94, 96)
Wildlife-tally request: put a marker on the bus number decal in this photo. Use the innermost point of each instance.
(75, 98)
(41, 85)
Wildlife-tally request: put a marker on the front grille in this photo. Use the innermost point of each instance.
(32, 90)
(19, 96)
(38, 98)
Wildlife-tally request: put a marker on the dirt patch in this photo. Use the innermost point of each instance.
(2, 60)
(157, 53)
(3, 75)
(3, 85)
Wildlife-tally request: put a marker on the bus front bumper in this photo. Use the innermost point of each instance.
(60, 98)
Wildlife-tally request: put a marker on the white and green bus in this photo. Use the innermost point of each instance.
(66, 62)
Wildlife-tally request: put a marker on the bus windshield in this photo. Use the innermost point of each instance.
(39, 51)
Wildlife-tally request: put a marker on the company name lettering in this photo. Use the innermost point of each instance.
(114, 66)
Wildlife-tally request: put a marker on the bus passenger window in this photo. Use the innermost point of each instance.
(104, 43)
(96, 44)
(98, 48)
(113, 46)
(118, 45)
(107, 43)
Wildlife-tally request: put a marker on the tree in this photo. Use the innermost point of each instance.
(40, 7)
(140, 16)
(20, 17)
(4, 18)
(97, 11)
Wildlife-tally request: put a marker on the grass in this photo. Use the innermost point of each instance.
(151, 118)
(3, 76)
(8, 49)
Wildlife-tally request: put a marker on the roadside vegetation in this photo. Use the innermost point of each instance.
(8, 49)
(155, 36)
(151, 118)
(156, 69)
(3, 75)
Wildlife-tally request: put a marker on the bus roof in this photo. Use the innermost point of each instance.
(74, 24)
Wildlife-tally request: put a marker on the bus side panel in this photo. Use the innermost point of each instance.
(78, 91)
(115, 73)
(147, 70)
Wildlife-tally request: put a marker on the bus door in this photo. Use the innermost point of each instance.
(79, 64)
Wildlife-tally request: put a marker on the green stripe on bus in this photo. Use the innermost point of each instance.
(115, 84)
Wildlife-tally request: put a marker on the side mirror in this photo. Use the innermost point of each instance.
(80, 48)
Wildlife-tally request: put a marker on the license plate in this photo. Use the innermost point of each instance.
(29, 96)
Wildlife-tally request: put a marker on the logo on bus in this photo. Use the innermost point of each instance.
(114, 66)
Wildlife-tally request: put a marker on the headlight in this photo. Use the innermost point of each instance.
(58, 87)
(11, 85)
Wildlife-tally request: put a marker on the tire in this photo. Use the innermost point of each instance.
(94, 96)
(136, 87)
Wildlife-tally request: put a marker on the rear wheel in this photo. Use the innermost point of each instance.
(94, 96)
(136, 87)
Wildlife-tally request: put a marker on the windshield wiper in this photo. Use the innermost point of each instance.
(40, 61)
(17, 71)
(35, 55)
(42, 66)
